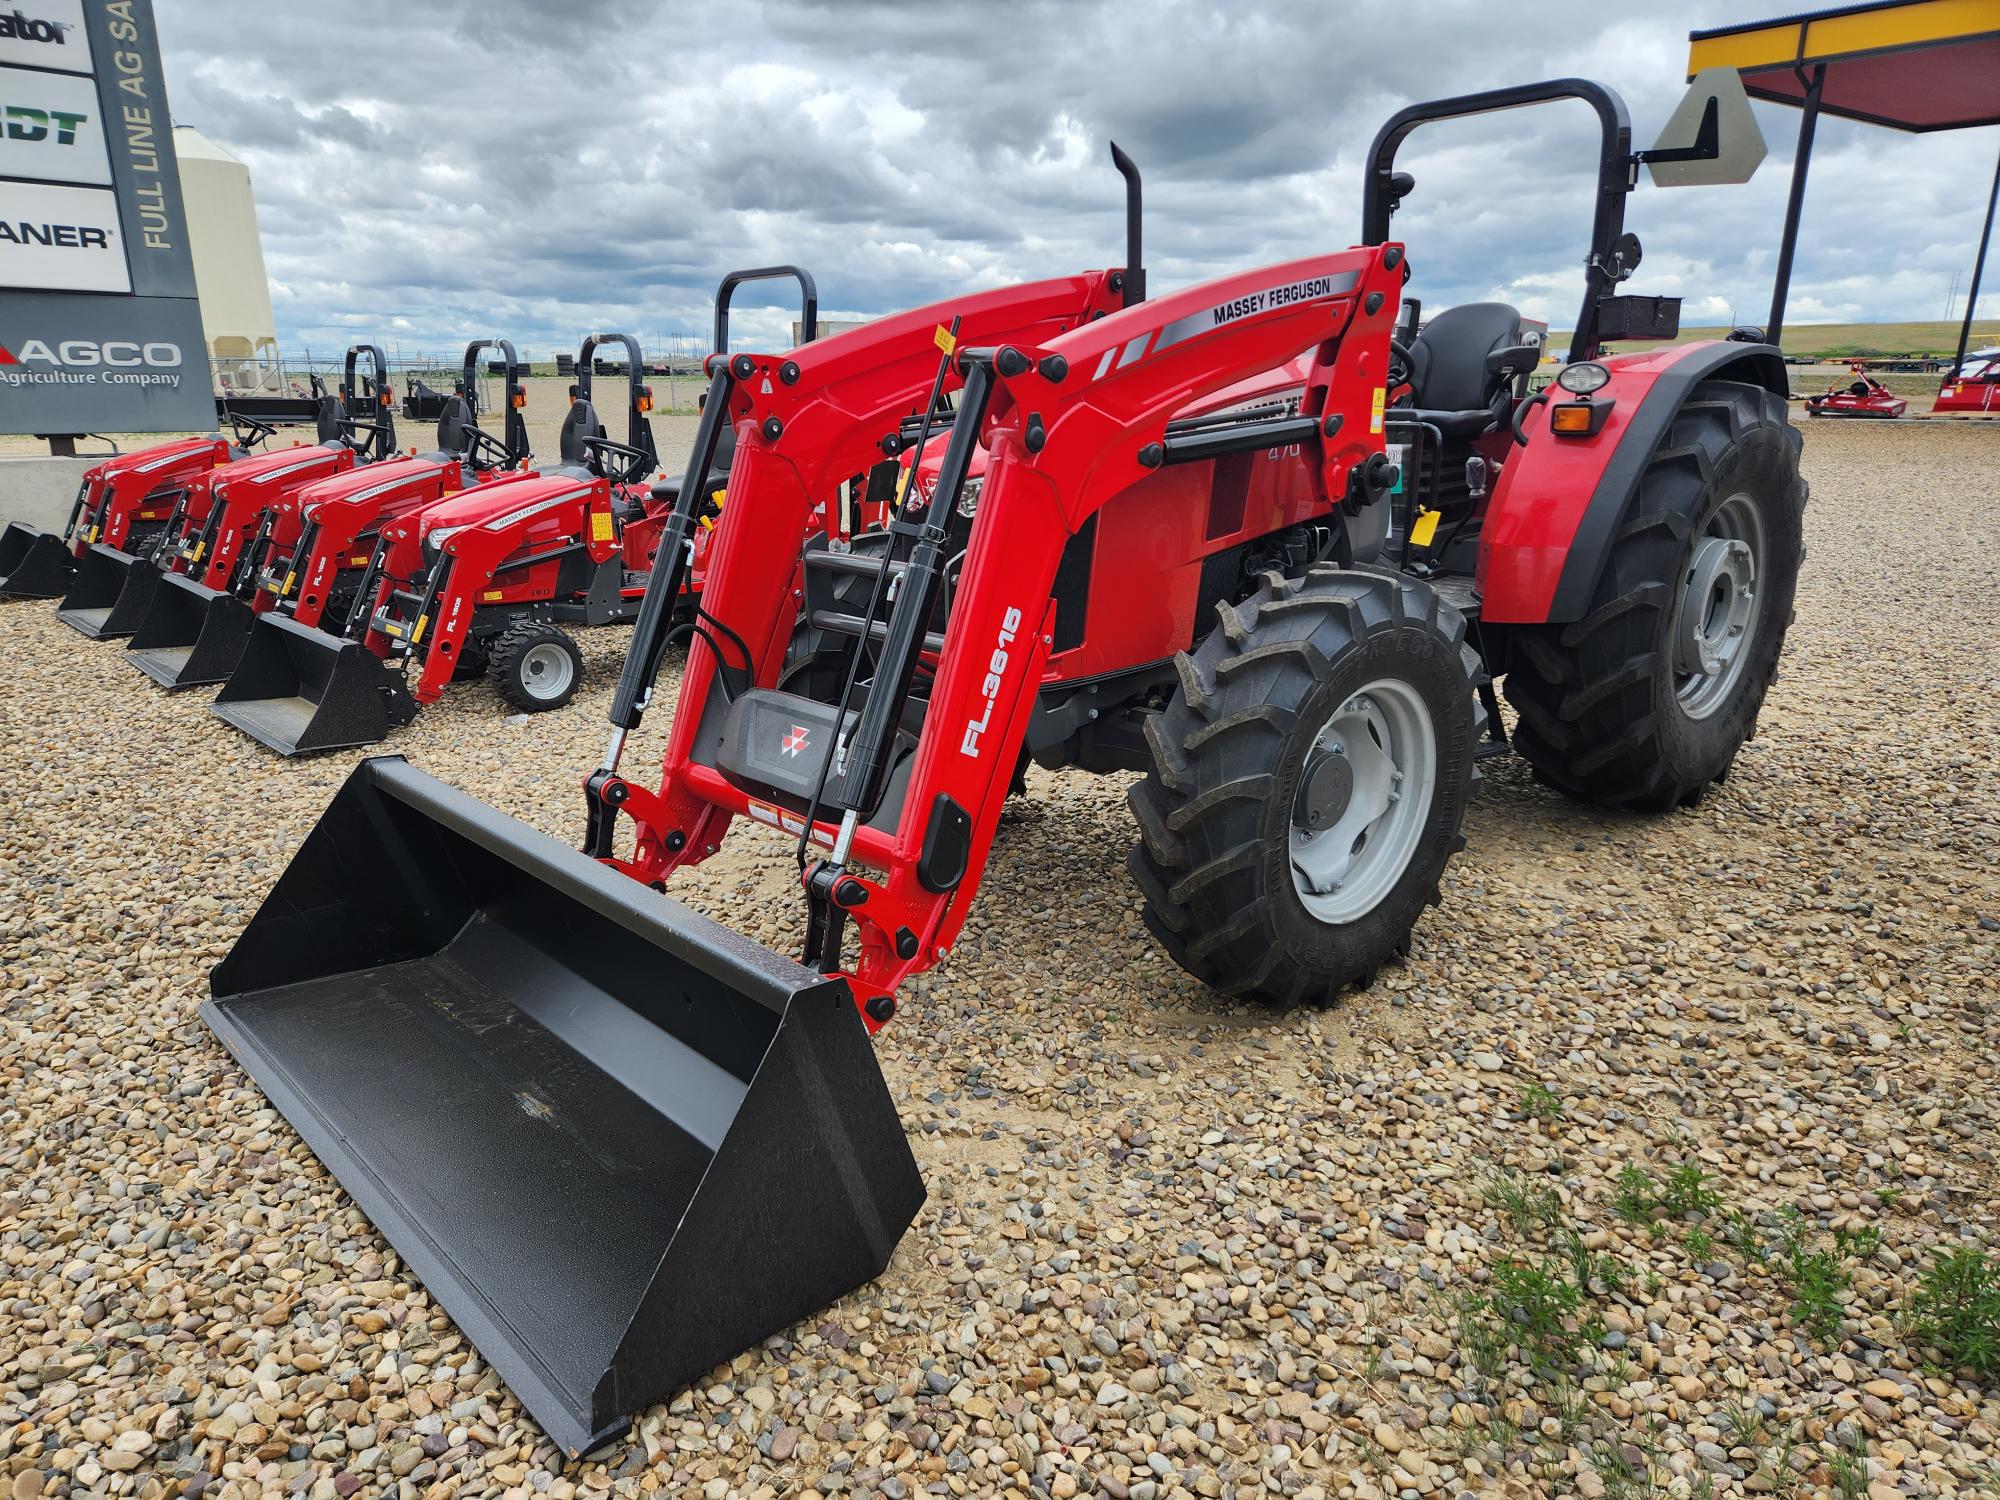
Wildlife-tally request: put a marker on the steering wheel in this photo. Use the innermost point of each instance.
(637, 460)
(250, 431)
(479, 441)
(1400, 364)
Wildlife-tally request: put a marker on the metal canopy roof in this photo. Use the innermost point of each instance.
(1909, 64)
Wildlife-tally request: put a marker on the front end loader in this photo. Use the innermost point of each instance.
(196, 629)
(477, 582)
(1190, 551)
(114, 586)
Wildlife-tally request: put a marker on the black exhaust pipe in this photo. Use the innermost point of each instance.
(34, 564)
(192, 635)
(111, 593)
(295, 690)
(619, 1142)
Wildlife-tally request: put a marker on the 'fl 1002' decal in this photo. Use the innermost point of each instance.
(989, 688)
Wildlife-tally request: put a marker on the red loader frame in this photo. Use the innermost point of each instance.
(1062, 447)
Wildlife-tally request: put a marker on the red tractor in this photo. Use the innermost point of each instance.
(1268, 541)
(467, 581)
(201, 613)
(1973, 388)
(114, 586)
(1862, 395)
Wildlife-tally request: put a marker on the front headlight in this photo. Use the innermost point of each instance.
(968, 495)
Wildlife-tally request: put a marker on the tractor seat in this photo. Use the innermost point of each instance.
(453, 422)
(332, 421)
(1450, 385)
(581, 423)
(664, 490)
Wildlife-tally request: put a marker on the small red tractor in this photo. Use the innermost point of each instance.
(1972, 389)
(200, 616)
(115, 587)
(1267, 541)
(468, 581)
(1861, 395)
(125, 501)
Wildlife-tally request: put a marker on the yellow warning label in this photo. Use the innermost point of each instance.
(357, 562)
(943, 338)
(289, 579)
(492, 596)
(1424, 527)
(600, 526)
(417, 631)
(903, 485)
(1376, 406)
(90, 535)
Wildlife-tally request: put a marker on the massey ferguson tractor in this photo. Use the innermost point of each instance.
(114, 586)
(479, 579)
(195, 627)
(1266, 542)
(124, 502)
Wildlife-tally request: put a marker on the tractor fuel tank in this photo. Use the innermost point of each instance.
(617, 1141)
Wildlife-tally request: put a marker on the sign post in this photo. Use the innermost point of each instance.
(99, 327)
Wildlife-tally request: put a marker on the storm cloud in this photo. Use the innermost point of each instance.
(427, 173)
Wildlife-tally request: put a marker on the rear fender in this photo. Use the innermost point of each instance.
(1559, 501)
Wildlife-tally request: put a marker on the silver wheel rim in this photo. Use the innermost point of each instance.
(1348, 855)
(1715, 615)
(546, 671)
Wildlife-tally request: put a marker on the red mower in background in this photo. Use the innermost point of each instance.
(194, 631)
(477, 580)
(1973, 389)
(1861, 396)
(114, 588)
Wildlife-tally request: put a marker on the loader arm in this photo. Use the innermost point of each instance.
(805, 422)
(1075, 418)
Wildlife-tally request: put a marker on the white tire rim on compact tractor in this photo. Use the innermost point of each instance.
(1715, 615)
(1363, 799)
(546, 670)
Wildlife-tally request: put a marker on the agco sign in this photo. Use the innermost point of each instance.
(90, 362)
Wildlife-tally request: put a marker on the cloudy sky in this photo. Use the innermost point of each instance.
(430, 171)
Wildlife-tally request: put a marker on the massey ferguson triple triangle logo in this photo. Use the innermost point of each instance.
(795, 739)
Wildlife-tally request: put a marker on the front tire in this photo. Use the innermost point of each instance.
(1647, 699)
(1309, 779)
(535, 666)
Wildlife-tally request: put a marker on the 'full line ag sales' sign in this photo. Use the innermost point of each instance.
(99, 327)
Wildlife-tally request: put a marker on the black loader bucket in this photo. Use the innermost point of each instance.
(191, 636)
(619, 1142)
(34, 564)
(111, 593)
(296, 689)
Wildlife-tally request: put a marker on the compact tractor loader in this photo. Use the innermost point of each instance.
(1191, 552)
(114, 586)
(480, 579)
(195, 628)
(123, 502)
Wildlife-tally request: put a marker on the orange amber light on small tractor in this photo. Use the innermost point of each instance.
(645, 398)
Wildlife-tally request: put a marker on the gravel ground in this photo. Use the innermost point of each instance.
(1173, 1247)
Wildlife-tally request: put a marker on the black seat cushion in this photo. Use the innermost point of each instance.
(453, 421)
(1449, 382)
(581, 423)
(331, 420)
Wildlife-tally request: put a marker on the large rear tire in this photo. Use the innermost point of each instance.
(1647, 699)
(1309, 778)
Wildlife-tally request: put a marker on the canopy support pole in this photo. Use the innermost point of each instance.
(1801, 159)
(1978, 265)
